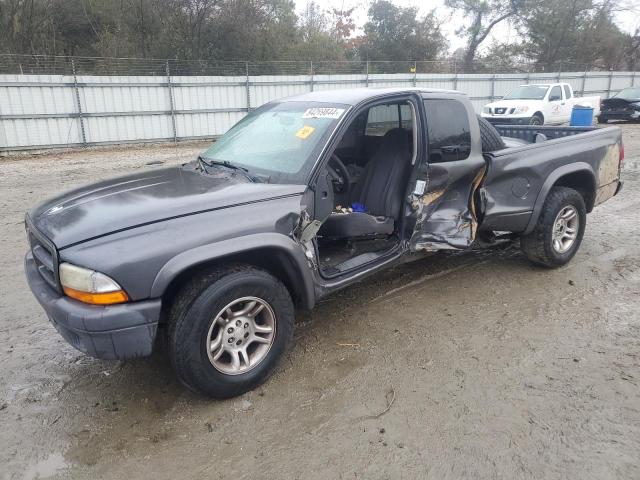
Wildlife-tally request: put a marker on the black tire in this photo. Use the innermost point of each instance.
(602, 119)
(194, 310)
(491, 139)
(536, 119)
(538, 245)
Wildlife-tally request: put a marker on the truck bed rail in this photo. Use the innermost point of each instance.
(528, 132)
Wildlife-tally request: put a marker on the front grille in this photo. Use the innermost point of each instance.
(44, 255)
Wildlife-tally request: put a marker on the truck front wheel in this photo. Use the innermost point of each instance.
(536, 120)
(228, 329)
(559, 230)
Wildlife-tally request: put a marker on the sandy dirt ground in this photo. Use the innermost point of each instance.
(496, 368)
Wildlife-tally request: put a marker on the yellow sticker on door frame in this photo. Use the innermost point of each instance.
(304, 132)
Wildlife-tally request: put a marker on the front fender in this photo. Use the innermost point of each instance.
(551, 180)
(298, 268)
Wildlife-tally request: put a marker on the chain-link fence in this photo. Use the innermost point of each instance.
(59, 65)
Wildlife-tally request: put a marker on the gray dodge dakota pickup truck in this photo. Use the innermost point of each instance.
(302, 197)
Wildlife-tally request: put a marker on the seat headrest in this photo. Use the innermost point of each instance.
(395, 137)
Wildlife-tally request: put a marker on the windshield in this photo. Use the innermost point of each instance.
(278, 141)
(528, 92)
(629, 94)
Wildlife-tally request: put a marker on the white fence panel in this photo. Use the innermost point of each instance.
(437, 80)
(332, 82)
(620, 80)
(43, 111)
(265, 88)
(381, 80)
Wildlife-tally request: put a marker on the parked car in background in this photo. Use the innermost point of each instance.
(624, 105)
(537, 104)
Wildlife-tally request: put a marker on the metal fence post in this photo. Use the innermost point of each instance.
(415, 73)
(367, 75)
(247, 87)
(633, 78)
(311, 74)
(560, 73)
(79, 106)
(455, 74)
(493, 86)
(171, 105)
(584, 83)
(609, 85)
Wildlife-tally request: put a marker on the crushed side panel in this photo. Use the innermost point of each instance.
(447, 216)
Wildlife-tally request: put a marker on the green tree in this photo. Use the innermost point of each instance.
(317, 42)
(396, 33)
(484, 15)
(571, 34)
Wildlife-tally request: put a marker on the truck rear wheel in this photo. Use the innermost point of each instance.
(228, 329)
(559, 230)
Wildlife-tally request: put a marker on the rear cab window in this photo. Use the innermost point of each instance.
(567, 92)
(448, 130)
(382, 118)
(555, 94)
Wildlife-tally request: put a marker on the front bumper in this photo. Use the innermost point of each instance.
(613, 115)
(114, 332)
(506, 120)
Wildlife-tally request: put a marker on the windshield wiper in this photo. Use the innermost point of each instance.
(225, 163)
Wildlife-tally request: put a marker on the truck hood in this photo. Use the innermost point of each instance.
(147, 197)
(620, 103)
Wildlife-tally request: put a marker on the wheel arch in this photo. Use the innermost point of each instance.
(579, 176)
(281, 257)
(540, 114)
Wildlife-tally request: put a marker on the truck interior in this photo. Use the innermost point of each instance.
(369, 168)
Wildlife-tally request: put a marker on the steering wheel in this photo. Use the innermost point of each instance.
(339, 174)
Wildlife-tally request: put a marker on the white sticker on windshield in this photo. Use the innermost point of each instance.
(323, 112)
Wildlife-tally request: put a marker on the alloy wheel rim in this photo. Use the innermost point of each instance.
(241, 335)
(565, 229)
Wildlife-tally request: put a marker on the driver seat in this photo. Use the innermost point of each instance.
(380, 189)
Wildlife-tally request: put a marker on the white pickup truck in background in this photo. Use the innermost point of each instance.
(537, 104)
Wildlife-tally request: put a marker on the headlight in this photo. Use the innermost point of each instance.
(521, 109)
(90, 286)
(486, 110)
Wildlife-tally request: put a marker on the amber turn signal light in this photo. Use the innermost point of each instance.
(107, 298)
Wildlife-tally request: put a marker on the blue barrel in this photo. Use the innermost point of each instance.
(581, 116)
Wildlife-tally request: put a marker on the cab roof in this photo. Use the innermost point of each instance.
(354, 96)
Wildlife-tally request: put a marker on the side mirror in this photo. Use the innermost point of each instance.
(555, 98)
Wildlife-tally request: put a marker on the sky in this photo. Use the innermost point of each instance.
(503, 31)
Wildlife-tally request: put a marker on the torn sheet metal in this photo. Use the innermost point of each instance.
(447, 217)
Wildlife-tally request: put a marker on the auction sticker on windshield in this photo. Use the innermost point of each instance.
(304, 132)
(323, 112)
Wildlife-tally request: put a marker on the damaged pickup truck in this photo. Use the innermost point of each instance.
(302, 197)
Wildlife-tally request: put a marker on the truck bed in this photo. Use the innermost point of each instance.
(518, 178)
(528, 132)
